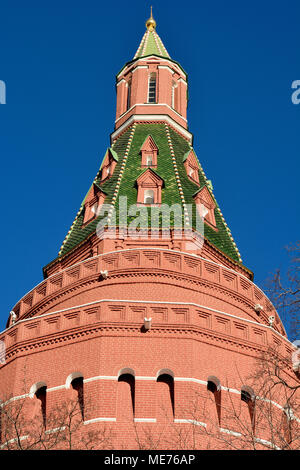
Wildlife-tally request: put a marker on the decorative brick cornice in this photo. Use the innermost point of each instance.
(151, 119)
(183, 332)
(152, 262)
(198, 322)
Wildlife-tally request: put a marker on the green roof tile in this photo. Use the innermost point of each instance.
(221, 238)
(151, 44)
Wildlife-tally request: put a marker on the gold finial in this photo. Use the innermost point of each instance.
(151, 23)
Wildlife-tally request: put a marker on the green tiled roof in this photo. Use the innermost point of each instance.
(186, 155)
(164, 168)
(221, 238)
(77, 233)
(114, 154)
(151, 44)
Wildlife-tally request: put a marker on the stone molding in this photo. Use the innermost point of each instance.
(111, 317)
(152, 262)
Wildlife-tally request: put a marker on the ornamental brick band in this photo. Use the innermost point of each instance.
(218, 287)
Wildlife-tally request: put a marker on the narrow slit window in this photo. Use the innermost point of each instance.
(41, 395)
(165, 397)
(77, 385)
(173, 96)
(152, 88)
(248, 396)
(214, 386)
(128, 95)
(126, 397)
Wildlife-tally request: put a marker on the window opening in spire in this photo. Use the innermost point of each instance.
(152, 88)
(128, 95)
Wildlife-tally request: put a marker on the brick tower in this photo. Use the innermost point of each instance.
(141, 313)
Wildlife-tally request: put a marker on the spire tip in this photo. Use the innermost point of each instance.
(151, 23)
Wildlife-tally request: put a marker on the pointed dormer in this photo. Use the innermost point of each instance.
(206, 206)
(92, 203)
(109, 164)
(191, 165)
(149, 186)
(149, 152)
(152, 86)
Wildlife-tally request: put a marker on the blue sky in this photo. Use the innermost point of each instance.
(59, 60)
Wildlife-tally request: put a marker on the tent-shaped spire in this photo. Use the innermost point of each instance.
(151, 42)
(163, 145)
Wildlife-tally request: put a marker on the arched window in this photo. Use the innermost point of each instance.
(248, 396)
(126, 395)
(165, 396)
(152, 88)
(214, 386)
(41, 394)
(149, 196)
(77, 385)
